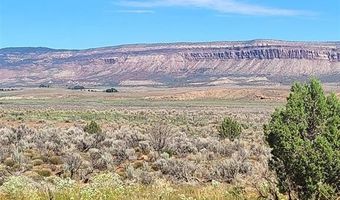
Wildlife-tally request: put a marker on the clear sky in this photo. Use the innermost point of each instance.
(80, 24)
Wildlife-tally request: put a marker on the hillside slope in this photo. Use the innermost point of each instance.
(257, 61)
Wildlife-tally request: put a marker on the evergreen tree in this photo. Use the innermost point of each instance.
(230, 129)
(93, 128)
(305, 141)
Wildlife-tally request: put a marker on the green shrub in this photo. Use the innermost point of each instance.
(44, 172)
(237, 193)
(92, 128)
(37, 162)
(9, 162)
(33, 175)
(56, 160)
(230, 129)
(305, 141)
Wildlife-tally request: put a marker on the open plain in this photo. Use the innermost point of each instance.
(153, 140)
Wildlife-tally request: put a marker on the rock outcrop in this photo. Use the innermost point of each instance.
(179, 63)
(262, 53)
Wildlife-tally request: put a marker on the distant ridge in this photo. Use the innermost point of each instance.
(204, 63)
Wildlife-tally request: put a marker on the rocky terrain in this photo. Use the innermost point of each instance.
(216, 63)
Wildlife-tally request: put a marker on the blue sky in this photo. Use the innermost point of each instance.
(80, 24)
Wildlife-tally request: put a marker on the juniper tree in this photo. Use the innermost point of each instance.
(92, 128)
(305, 141)
(230, 129)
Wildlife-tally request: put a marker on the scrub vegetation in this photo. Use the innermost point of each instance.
(165, 150)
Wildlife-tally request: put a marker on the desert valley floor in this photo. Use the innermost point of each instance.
(45, 142)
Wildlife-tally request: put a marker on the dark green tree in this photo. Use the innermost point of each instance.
(305, 141)
(93, 128)
(230, 129)
(111, 90)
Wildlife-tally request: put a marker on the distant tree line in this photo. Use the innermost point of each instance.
(44, 86)
(7, 89)
(76, 87)
(80, 87)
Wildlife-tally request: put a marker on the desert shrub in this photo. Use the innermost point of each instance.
(213, 144)
(226, 170)
(6, 136)
(44, 172)
(146, 178)
(144, 147)
(99, 160)
(131, 154)
(96, 161)
(305, 141)
(98, 138)
(54, 140)
(178, 170)
(160, 136)
(10, 162)
(56, 160)
(207, 155)
(131, 137)
(118, 150)
(83, 142)
(74, 131)
(236, 192)
(130, 172)
(3, 174)
(34, 176)
(209, 143)
(165, 155)
(72, 163)
(182, 145)
(37, 162)
(230, 129)
(92, 128)
(225, 148)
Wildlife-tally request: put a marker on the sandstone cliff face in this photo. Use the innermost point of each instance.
(262, 53)
(180, 63)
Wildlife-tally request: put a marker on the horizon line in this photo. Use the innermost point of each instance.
(178, 42)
